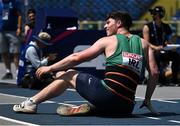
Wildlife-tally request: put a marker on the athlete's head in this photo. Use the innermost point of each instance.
(116, 20)
(158, 11)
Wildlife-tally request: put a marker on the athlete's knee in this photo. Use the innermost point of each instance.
(59, 74)
(69, 74)
(71, 70)
(66, 75)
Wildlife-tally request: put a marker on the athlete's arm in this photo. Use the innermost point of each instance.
(76, 58)
(153, 77)
(153, 74)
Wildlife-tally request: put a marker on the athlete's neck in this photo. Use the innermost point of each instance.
(124, 31)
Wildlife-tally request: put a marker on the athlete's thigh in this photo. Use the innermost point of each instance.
(89, 87)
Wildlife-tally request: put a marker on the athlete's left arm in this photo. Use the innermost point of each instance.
(153, 76)
(153, 73)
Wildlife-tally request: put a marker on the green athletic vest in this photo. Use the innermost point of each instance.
(129, 52)
(123, 68)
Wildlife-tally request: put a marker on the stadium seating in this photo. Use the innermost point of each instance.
(177, 15)
(97, 9)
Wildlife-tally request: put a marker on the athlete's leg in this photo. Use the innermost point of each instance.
(59, 85)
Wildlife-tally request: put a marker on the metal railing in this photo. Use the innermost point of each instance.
(137, 25)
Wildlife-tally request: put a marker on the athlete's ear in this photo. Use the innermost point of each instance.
(119, 23)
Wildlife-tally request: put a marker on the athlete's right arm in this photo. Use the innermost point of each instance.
(76, 58)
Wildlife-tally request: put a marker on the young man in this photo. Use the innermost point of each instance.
(31, 59)
(31, 15)
(125, 56)
(159, 34)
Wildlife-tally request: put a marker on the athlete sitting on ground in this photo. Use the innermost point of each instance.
(125, 58)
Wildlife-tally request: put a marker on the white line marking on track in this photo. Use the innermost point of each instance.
(12, 95)
(149, 117)
(26, 97)
(161, 100)
(17, 121)
(174, 121)
(155, 118)
(167, 101)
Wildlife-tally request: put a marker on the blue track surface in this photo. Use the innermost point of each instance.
(46, 115)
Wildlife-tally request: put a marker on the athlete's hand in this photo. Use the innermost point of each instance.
(148, 105)
(42, 70)
(52, 57)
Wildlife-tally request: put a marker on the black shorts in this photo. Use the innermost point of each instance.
(91, 88)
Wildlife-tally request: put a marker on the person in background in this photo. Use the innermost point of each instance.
(31, 59)
(31, 15)
(115, 94)
(29, 26)
(159, 34)
(10, 33)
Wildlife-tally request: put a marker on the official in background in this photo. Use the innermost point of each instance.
(31, 59)
(159, 34)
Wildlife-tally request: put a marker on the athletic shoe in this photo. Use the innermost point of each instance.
(27, 106)
(7, 76)
(71, 110)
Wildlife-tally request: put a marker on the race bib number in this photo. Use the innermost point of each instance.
(134, 61)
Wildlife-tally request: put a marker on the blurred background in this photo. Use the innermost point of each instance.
(91, 13)
(88, 17)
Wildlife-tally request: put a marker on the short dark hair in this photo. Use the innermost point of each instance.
(124, 17)
(31, 10)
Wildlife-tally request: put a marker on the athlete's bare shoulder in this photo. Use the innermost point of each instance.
(112, 37)
(107, 40)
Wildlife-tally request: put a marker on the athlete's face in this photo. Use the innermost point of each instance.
(111, 26)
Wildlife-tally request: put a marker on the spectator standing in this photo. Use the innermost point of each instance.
(10, 33)
(159, 34)
(31, 14)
